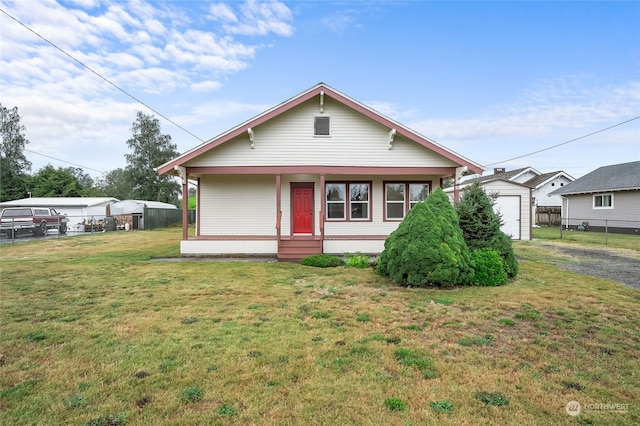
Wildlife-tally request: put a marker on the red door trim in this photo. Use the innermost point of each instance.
(309, 185)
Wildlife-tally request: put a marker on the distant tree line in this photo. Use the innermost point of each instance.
(149, 148)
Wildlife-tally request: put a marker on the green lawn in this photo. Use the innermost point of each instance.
(95, 333)
(589, 238)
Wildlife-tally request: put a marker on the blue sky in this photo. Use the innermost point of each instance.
(489, 80)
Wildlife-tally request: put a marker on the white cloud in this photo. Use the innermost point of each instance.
(255, 18)
(222, 12)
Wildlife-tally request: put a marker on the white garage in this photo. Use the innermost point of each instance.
(508, 207)
(514, 204)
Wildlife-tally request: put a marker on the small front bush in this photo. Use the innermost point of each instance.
(357, 260)
(322, 261)
(489, 269)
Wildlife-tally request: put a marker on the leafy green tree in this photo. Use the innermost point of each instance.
(52, 182)
(427, 248)
(14, 166)
(481, 226)
(150, 149)
(115, 184)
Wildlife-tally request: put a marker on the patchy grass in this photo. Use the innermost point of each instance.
(95, 333)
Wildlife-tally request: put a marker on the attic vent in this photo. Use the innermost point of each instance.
(499, 170)
(322, 126)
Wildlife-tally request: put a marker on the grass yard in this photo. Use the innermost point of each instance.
(94, 333)
(626, 241)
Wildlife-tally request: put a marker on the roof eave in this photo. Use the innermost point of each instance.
(168, 167)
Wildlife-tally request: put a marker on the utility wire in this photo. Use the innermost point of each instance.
(565, 143)
(102, 77)
(64, 161)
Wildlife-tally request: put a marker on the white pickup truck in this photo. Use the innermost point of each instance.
(37, 220)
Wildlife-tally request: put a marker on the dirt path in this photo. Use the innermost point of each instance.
(622, 266)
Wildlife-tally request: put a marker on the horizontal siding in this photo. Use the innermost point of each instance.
(626, 211)
(237, 205)
(288, 140)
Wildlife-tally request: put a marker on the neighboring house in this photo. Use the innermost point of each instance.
(607, 198)
(319, 173)
(512, 202)
(79, 210)
(141, 214)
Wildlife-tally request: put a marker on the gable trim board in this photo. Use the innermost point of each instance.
(247, 175)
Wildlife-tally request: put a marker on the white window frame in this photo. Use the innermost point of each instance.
(407, 204)
(347, 202)
(602, 197)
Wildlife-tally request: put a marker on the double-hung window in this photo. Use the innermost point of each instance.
(400, 197)
(603, 201)
(348, 201)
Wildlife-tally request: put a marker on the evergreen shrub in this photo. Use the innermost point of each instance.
(427, 248)
(489, 268)
(322, 261)
(481, 226)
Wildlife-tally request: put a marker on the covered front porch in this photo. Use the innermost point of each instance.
(292, 212)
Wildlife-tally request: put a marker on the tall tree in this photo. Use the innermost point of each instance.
(150, 149)
(115, 184)
(14, 166)
(60, 182)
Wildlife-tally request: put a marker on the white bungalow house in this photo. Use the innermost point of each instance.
(318, 173)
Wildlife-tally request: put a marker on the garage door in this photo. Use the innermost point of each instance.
(509, 207)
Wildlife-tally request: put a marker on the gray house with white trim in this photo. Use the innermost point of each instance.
(607, 198)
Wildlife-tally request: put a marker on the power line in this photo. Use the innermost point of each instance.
(564, 143)
(102, 77)
(64, 161)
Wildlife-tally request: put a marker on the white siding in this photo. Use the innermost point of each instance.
(288, 140)
(541, 193)
(341, 247)
(508, 189)
(238, 205)
(213, 248)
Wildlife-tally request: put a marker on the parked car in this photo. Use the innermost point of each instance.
(37, 220)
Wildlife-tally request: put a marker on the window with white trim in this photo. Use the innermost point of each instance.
(400, 197)
(348, 200)
(603, 201)
(322, 125)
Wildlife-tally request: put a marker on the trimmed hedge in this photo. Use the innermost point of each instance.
(322, 261)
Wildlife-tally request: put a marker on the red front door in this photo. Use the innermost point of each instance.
(302, 207)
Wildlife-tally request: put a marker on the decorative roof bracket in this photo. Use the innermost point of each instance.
(392, 134)
(321, 101)
(250, 132)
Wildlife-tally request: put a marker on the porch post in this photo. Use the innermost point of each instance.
(322, 202)
(185, 209)
(182, 172)
(278, 206)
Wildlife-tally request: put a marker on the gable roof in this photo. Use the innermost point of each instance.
(320, 89)
(617, 177)
(546, 177)
(507, 175)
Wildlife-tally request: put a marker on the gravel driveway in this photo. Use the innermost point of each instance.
(616, 265)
